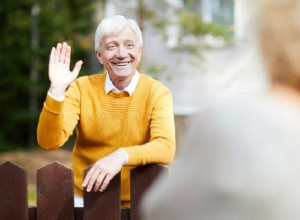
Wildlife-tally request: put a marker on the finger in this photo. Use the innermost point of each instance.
(99, 181)
(51, 57)
(62, 56)
(68, 56)
(92, 181)
(87, 177)
(77, 68)
(105, 182)
(57, 53)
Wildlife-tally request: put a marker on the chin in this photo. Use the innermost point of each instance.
(123, 74)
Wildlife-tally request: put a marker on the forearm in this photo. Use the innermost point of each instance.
(157, 151)
(50, 134)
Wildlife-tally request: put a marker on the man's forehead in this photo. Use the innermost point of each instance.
(125, 35)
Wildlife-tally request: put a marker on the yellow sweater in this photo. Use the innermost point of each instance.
(141, 124)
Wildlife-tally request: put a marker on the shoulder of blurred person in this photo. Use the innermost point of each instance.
(240, 161)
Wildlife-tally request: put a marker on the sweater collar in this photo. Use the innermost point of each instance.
(109, 86)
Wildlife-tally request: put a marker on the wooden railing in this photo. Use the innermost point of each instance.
(55, 194)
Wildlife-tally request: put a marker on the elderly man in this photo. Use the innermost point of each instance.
(122, 118)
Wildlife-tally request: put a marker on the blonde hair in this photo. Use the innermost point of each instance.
(279, 38)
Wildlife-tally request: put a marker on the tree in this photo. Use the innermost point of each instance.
(28, 30)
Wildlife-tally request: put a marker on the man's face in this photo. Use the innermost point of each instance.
(120, 54)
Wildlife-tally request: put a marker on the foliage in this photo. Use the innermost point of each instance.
(190, 22)
(58, 20)
(199, 28)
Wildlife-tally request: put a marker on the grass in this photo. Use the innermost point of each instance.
(31, 196)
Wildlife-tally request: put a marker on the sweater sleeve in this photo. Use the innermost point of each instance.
(58, 119)
(161, 146)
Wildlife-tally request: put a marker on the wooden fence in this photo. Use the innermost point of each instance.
(55, 195)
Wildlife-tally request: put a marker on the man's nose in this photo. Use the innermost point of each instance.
(122, 52)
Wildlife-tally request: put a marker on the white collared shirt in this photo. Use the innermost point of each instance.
(109, 86)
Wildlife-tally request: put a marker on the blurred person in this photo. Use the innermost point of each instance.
(122, 118)
(241, 160)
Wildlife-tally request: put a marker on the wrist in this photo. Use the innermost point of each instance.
(60, 98)
(124, 156)
(57, 91)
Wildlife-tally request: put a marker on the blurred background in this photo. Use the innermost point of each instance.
(203, 50)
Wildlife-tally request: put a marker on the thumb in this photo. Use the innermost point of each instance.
(77, 68)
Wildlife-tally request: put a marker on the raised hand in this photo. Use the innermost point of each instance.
(59, 69)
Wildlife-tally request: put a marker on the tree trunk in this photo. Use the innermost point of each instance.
(34, 72)
(97, 17)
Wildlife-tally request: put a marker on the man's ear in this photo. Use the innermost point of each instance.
(98, 55)
(140, 54)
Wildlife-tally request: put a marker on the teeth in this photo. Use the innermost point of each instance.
(122, 64)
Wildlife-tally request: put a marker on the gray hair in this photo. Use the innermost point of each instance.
(114, 25)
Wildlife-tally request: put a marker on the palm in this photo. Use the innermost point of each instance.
(59, 68)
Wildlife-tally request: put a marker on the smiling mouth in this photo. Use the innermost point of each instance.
(121, 63)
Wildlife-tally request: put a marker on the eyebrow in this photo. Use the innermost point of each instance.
(111, 42)
(117, 42)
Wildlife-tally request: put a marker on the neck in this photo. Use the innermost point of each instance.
(121, 84)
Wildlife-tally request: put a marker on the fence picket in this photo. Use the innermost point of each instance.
(13, 192)
(55, 193)
(104, 205)
(142, 177)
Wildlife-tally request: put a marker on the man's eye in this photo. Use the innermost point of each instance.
(111, 47)
(129, 45)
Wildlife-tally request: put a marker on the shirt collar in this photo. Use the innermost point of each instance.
(109, 86)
